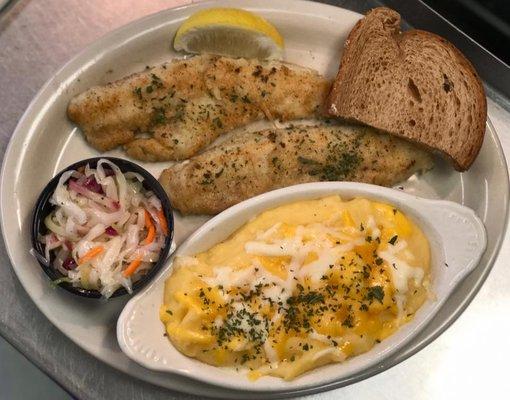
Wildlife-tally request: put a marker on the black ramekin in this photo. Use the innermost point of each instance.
(43, 208)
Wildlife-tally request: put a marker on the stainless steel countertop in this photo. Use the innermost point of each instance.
(36, 37)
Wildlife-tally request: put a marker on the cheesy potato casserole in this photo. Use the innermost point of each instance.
(299, 286)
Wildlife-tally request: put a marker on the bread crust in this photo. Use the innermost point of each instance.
(415, 85)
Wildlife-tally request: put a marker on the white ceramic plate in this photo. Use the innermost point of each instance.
(457, 240)
(45, 142)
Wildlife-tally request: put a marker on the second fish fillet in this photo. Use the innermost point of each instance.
(253, 163)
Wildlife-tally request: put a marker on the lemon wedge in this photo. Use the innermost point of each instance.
(229, 32)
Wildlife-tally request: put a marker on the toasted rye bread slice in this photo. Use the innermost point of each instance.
(415, 85)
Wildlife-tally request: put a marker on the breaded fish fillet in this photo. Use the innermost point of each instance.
(252, 163)
(185, 104)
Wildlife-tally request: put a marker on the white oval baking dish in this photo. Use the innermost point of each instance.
(457, 240)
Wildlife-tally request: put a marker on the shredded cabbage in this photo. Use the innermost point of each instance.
(99, 227)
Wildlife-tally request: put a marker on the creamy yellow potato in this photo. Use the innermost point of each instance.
(300, 286)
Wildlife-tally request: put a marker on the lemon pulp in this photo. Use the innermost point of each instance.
(229, 32)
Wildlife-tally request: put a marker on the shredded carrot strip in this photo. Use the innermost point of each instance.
(151, 229)
(89, 255)
(162, 221)
(132, 267)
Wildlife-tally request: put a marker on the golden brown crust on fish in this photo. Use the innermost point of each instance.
(185, 104)
(254, 163)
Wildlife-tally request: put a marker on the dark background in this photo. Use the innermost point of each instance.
(486, 21)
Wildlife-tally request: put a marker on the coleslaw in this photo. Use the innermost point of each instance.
(106, 230)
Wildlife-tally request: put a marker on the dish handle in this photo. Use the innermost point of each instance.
(461, 237)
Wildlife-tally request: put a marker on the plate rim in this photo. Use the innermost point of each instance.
(25, 123)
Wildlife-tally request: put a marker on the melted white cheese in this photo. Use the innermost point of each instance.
(271, 231)
(278, 249)
(323, 338)
(270, 352)
(327, 253)
(339, 354)
(375, 232)
(401, 271)
(318, 241)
